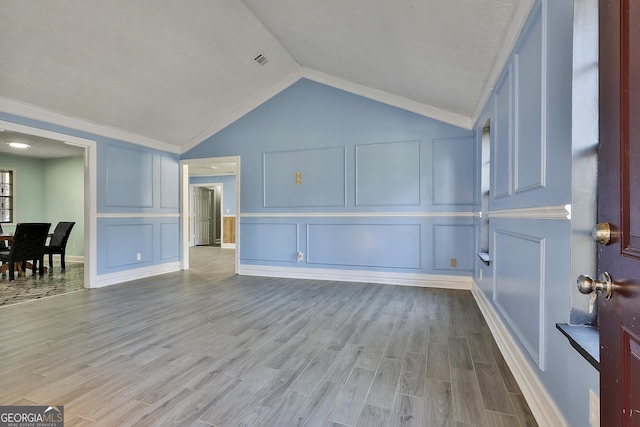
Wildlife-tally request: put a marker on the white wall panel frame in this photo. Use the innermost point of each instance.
(535, 347)
(502, 151)
(535, 115)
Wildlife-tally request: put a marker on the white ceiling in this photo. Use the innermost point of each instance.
(41, 148)
(175, 72)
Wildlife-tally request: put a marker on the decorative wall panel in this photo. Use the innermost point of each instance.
(125, 241)
(169, 236)
(519, 287)
(453, 242)
(388, 174)
(304, 178)
(129, 177)
(529, 140)
(365, 245)
(453, 171)
(169, 182)
(269, 242)
(501, 150)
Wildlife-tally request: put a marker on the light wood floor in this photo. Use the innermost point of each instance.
(206, 347)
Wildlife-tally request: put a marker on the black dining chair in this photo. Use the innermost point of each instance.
(3, 243)
(58, 242)
(27, 245)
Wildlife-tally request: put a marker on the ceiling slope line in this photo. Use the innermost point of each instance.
(22, 109)
(388, 98)
(242, 110)
(337, 83)
(502, 58)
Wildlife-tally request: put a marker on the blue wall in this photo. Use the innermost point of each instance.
(137, 201)
(352, 183)
(529, 280)
(136, 181)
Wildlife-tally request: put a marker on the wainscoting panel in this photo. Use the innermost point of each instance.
(365, 245)
(305, 178)
(452, 247)
(129, 177)
(501, 149)
(453, 171)
(399, 185)
(262, 241)
(121, 239)
(519, 287)
(530, 150)
(169, 235)
(125, 241)
(169, 182)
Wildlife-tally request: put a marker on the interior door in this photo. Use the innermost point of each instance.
(202, 216)
(619, 205)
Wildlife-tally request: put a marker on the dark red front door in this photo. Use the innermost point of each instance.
(619, 205)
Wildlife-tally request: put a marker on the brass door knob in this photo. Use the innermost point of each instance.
(603, 287)
(601, 233)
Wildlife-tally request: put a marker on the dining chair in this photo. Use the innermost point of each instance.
(58, 242)
(28, 244)
(3, 243)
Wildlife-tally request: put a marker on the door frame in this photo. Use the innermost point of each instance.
(90, 189)
(184, 205)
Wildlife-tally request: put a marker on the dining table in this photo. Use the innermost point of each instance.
(8, 237)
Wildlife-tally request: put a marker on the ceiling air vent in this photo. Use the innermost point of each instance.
(261, 59)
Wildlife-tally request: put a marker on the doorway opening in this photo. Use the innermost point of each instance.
(89, 209)
(209, 206)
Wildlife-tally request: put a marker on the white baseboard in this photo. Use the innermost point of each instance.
(405, 279)
(540, 402)
(139, 273)
(228, 245)
(71, 258)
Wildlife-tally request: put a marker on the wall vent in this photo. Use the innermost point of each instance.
(261, 59)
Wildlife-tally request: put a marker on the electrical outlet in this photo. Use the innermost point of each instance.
(300, 257)
(594, 409)
(454, 262)
(138, 256)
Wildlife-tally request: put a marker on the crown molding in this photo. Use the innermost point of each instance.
(29, 111)
(335, 82)
(390, 99)
(243, 109)
(513, 34)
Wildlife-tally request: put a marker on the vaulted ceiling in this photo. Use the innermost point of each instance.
(175, 72)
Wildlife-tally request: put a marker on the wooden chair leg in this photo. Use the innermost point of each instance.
(12, 275)
(51, 260)
(62, 259)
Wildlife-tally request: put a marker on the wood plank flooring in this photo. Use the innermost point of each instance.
(205, 347)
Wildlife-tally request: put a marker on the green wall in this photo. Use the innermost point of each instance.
(49, 190)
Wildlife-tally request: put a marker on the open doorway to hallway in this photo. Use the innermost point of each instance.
(209, 210)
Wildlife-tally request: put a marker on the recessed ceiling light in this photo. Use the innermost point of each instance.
(1, 130)
(20, 145)
(214, 167)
